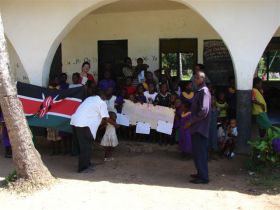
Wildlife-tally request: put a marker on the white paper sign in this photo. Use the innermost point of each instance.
(164, 127)
(122, 120)
(143, 128)
(147, 113)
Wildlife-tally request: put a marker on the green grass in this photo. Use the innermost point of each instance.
(12, 177)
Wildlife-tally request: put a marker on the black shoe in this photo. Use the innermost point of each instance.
(195, 176)
(199, 181)
(90, 169)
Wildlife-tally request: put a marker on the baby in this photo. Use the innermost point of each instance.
(231, 138)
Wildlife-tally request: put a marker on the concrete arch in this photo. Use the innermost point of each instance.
(83, 13)
(66, 29)
(209, 11)
(37, 43)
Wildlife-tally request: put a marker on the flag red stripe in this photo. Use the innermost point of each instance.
(30, 106)
(66, 107)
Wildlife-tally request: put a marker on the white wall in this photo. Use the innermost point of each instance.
(35, 29)
(16, 68)
(142, 30)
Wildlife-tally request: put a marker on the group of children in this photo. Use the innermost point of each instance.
(168, 92)
(140, 86)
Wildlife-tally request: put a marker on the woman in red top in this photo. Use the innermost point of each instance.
(131, 90)
(84, 75)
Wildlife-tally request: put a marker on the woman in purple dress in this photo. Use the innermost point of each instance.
(185, 145)
(5, 137)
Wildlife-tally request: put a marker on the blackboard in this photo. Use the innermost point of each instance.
(217, 61)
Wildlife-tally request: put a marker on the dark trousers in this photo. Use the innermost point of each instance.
(200, 155)
(83, 138)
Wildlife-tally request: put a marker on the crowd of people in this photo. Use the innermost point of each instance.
(202, 112)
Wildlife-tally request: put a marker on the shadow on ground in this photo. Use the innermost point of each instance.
(149, 164)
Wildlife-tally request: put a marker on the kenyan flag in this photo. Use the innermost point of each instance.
(49, 108)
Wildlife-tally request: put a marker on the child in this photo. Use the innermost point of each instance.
(131, 90)
(54, 84)
(110, 100)
(173, 99)
(107, 82)
(213, 124)
(175, 86)
(222, 107)
(65, 137)
(259, 109)
(132, 98)
(149, 78)
(127, 68)
(139, 96)
(110, 139)
(222, 136)
(177, 119)
(163, 98)
(140, 71)
(75, 81)
(120, 100)
(187, 94)
(63, 85)
(231, 98)
(185, 144)
(151, 93)
(5, 137)
(52, 133)
(231, 138)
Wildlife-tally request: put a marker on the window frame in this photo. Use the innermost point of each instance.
(180, 45)
(272, 45)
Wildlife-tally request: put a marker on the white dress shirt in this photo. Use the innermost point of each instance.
(90, 114)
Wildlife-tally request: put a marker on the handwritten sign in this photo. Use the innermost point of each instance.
(147, 113)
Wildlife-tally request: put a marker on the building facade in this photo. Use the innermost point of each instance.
(36, 28)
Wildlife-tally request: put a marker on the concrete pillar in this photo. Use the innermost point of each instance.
(244, 107)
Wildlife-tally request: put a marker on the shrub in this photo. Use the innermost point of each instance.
(267, 150)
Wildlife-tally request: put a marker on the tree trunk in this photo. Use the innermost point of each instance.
(26, 158)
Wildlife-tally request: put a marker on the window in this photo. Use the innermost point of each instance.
(178, 57)
(269, 65)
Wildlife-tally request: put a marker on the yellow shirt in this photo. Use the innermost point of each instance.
(257, 109)
(188, 95)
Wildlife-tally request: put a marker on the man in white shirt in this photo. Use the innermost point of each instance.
(85, 122)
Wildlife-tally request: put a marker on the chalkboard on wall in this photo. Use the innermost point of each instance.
(217, 61)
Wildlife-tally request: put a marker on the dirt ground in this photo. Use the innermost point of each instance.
(142, 176)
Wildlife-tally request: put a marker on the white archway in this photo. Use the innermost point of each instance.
(83, 13)
(245, 26)
(176, 21)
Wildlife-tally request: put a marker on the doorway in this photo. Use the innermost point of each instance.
(56, 66)
(178, 57)
(111, 54)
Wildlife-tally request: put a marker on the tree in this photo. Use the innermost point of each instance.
(26, 158)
